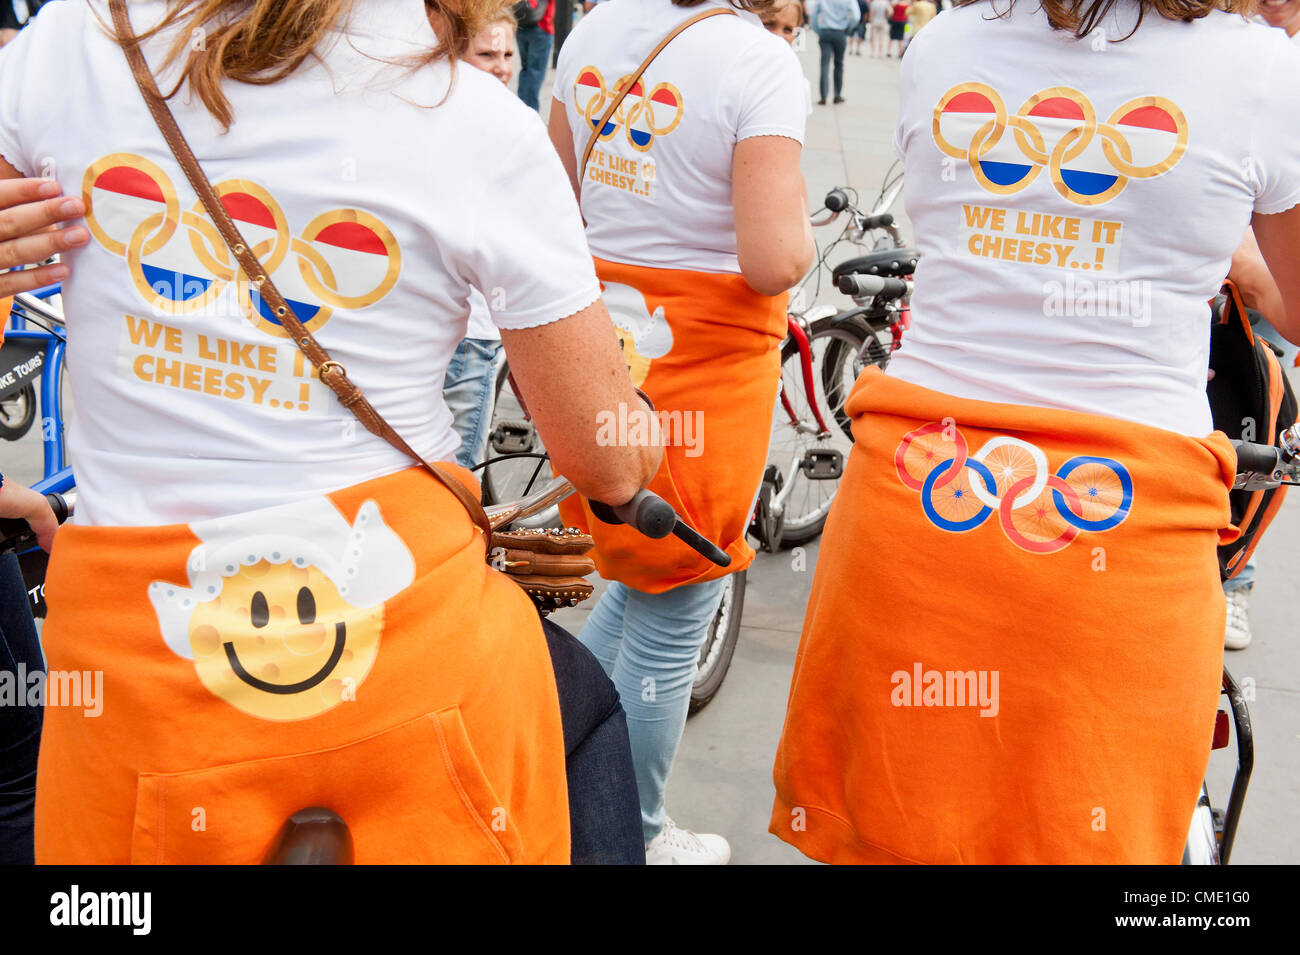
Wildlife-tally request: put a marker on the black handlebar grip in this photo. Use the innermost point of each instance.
(837, 200)
(1256, 458)
(16, 533)
(871, 286)
(648, 513)
(882, 221)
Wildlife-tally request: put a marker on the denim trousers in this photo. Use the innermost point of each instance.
(832, 43)
(20, 725)
(1246, 579)
(534, 57)
(468, 391)
(604, 818)
(649, 644)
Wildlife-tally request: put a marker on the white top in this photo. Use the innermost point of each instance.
(1070, 265)
(480, 325)
(376, 205)
(666, 155)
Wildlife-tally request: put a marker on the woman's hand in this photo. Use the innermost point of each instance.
(22, 503)
(30, 211)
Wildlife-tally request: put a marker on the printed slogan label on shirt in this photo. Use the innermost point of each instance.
(645, 114)
(1038, 238)
(267, 376)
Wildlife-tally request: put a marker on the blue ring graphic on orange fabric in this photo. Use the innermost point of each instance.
(957, 496)
(1097, 490)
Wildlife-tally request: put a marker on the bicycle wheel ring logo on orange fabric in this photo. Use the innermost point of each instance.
(178, 263)
(644, 113)
(1089, 162)
(1040, 512)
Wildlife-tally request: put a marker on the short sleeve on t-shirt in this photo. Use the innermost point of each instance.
(1276, 146)
(531, 259)
(766, 93)
(16, 98)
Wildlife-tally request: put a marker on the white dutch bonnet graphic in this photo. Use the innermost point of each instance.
(650, 333)
(366, 561)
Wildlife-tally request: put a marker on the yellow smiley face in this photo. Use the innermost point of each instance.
(280, 643)
(638, 366)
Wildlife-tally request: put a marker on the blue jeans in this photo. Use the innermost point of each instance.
(832, 43)
(1246, 579)
(604, 821)
(467, 389)
(20, 726)
(649, 644)
(534, 58)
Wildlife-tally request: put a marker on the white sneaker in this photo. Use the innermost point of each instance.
(677, 846)
(1236, 635)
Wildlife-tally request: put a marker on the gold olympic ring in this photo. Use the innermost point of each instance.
(628, 110)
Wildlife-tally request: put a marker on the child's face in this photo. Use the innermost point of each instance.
(1282, 13)
(493, 51)
(786, 22)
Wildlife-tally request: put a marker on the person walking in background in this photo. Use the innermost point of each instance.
(897, 27)
(536, 19)
(858, 32)
(832, 21)
(880, 11)
(919, 14)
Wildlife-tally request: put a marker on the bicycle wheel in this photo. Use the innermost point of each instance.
(720, 644)
(17, 414)
(810, 461)
(512, 432)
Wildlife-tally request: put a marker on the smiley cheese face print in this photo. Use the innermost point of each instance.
(284, 614)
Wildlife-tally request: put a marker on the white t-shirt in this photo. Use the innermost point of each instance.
(375, 203)
(880, 11)
(1070, 266)
(480, 325)
(666, 155)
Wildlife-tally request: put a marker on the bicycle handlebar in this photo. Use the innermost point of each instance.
(1262, 459)
(16, 534)
(872, 286)
(654, 517)
(882, 221)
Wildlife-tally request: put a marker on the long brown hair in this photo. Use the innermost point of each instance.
(760, 7)
(263, 41)
(1081, 17)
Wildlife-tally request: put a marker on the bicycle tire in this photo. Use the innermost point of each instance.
(720, 645)
(17, 414)
(510, 432)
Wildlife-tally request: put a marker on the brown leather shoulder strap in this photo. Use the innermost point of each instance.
(330, 372)
(635, 77)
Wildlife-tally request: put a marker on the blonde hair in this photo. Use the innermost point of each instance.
(263, 41)
(1081, 17)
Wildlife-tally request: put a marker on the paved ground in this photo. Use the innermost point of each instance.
(722, 781)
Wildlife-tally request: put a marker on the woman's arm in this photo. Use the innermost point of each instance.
(562, 140)
(1279, 241)
(572, 376)
(1250, 274)
(30, 210)
(774, 238)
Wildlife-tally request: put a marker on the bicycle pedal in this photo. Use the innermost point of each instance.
(510, 437)
(822, 464)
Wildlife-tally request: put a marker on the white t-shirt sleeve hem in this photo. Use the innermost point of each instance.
(537, 317)
(1280, 206)
(11, 154)
(771, 130)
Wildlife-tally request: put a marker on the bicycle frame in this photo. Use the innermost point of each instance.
(51, 374)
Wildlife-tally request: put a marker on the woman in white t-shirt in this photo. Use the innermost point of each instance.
(697, 218)
(284, 612)
(1035, 482)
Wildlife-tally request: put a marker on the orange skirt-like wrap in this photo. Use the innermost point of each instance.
(351, 651)
(1013, 645)
(706, 348)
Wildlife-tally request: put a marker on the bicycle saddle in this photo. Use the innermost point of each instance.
(892, 263)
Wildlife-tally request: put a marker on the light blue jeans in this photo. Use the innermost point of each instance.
(467, 389)
(649, 644)
(1246, 579)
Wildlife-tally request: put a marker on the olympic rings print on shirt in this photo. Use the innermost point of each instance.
(1040, 512)
(346, 258)
(1090, 162)
(644, 115)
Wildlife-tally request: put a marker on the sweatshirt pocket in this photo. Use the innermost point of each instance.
(415, 793)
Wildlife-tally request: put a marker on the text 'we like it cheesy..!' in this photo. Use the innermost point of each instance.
(254, 374)
(634, 176)
(1038, 238)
